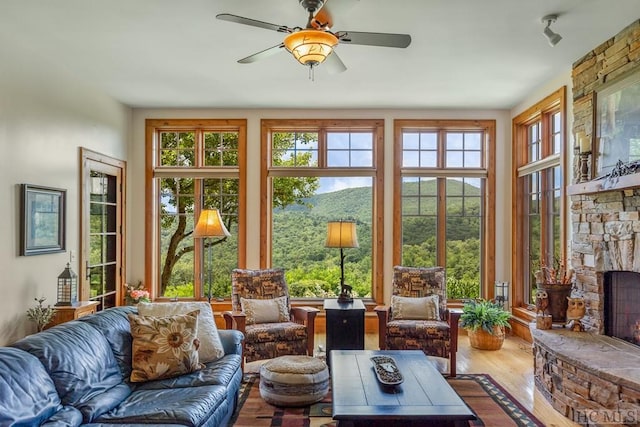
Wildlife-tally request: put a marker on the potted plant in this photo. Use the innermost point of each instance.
(485, 322)
(40, 314)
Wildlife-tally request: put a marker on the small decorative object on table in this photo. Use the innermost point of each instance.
(543, 320)
(345, 294)
(136, 294)
(387, 371)
(40, 314)
(575, 312)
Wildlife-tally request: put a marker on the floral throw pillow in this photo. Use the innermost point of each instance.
(164, 347)
(210, 345)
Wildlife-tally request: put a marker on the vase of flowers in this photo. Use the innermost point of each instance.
(40, 314)
(135, 294)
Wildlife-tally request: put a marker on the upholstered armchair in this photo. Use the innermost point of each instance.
(418, 318)
(261, 310)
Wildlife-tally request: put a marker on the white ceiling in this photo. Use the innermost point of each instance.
(174, 53)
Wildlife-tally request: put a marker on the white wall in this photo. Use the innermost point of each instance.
(136, 173)
(45, 115)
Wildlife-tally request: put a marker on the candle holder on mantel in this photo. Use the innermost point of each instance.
(584, 166)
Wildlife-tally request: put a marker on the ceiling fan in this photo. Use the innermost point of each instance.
(315, 43)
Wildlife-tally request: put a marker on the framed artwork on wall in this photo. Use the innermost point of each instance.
(617, 123)
(42, 220)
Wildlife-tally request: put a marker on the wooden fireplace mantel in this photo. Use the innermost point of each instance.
(624, 182)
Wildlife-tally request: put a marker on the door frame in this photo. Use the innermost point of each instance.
(88, 158)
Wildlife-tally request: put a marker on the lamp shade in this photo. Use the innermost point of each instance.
(210, 225)
(341, 234)
(310, 47)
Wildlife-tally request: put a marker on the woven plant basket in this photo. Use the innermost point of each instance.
(483, 340)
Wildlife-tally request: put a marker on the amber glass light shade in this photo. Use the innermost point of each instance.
(310, 47)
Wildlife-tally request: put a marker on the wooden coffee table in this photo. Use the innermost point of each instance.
(424, 396)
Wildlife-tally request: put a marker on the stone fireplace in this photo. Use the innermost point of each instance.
(606, 243)
(593, 377)
(622, 305)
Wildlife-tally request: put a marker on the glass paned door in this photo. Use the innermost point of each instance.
(102, 232)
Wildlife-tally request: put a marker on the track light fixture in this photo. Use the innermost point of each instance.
(552, 37)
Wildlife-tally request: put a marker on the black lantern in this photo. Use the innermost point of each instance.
(67, 287)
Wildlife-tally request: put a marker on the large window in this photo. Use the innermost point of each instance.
(539, 193)
(319, 171)
(442, 201)
(194, 165)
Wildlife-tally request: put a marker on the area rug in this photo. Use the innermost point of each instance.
(491, 403)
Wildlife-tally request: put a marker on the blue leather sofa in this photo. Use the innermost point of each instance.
(77, 374)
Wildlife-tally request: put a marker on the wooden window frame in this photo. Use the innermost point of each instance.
(541, 112)
(487, 172)
(153, 127)
(376, 172)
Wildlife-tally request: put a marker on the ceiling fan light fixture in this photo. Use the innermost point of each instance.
(310, 47)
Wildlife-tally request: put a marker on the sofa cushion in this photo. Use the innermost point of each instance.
(27, 394)
(191, 406)
(210, 346)
(164, 347)
(219, 372)
(68, 416)
(81, 364)
(113, 323)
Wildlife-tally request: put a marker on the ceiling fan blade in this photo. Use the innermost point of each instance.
(374, 39)
(324, 17)
(253, 22)
(262, 54)
(334, 64)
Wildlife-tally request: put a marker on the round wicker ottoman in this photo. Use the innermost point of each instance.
(294, 380)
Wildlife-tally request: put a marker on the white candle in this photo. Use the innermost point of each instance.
(585, 144)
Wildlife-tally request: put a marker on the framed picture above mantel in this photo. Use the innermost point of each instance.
(617, 123)
(42, 220)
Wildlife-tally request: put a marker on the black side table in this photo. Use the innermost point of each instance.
(345, 325)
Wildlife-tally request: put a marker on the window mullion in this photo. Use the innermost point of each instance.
(442, 149)
(322, 148)
(199, 153)
(441, 222)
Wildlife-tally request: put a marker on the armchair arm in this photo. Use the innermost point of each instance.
(383, 318)
(453, 318)
(235, 320)
(306, 316)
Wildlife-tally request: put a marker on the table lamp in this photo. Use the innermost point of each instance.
(342, 234)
